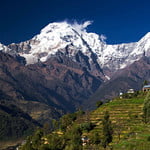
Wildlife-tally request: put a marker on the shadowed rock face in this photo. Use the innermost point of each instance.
(59, 83)
(132, 77)
(14, 123)
(63, 84)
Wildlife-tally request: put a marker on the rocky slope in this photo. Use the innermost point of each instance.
(132, 77)
(60, 84)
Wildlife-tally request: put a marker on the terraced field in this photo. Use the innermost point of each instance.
(130, 133)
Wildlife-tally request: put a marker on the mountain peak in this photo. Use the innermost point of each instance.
(145, 37)
(55, 26)
(57, 36)
(64, 25)
(72, 38)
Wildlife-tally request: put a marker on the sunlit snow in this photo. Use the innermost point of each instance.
(57, 36)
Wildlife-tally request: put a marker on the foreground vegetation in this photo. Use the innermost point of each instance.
(123, 123)
(15, 125)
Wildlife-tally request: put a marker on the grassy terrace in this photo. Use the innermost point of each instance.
(129, 130)
(126, 115)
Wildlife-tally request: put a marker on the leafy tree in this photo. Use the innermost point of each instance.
(79, 114)
(107, 130)
(118, 128)
(99, 103)
(55, 124)
(44, 147)
(87, 126)
(46, 128)
(55, 141)
(36, 139)
(28, 145)
(73, 137)
(67, 120)
(95, 138)
(145, 82)
(146, 109)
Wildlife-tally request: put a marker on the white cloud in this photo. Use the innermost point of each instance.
(103, 38)
(81, 27)
(86, 24)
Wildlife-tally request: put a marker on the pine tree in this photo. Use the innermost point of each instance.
(36, 139)
(146, 109)
(145, 82)
(99, 103)
(107, 130)
(95, 138)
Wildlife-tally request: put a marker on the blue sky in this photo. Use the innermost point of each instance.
(121, 21)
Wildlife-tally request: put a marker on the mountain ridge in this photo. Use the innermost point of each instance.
(71, 39)
(132, 77)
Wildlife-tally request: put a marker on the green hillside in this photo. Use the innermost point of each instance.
(126, 116)
(129, 132)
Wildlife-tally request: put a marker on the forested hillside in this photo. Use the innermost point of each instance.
(14, 124)
(120, 124)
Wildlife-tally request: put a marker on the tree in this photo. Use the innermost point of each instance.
(73, 137)
(107, 130)
(27, 145)
(55, 141)
(118, 128)
(145, 82)
(99, 103)
(36, 139)
(67, 120)
(146, 109)
(46, 128)
(87, 126)
(55, 124)
(95, 138)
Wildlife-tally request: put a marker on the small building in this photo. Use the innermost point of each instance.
(85, 140)
(130, 91)
(146, 88)
(120, 95)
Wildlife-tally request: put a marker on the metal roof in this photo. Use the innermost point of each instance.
(146, 86)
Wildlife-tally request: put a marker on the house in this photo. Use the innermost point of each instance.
(85, 140)
(146, 88)
(120, 95)
(130, 91)
(45, 140)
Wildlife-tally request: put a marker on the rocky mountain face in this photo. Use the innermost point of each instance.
(74, 41)
(64, 65)
(58, 85)
(132, 77)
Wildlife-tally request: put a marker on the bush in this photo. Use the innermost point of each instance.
(95, 138)
(148, 138)
(146, 109)
(99, 103)
(86, 126)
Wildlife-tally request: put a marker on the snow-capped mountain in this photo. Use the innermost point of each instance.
(57, 37)
(64, 65)
(70, 39)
